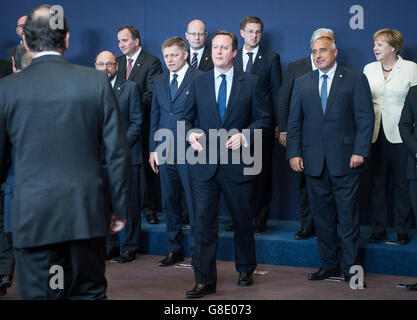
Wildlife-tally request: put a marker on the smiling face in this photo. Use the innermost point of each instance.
(323, 54)
(251, 35)
(127, 44)
(222, 52)
(175, 58)
(383, 49)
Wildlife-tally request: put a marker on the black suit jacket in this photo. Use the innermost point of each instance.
(57, 116)
(245, 110)
(131, 110)
(267, 67)
(145, 69)
(408, 130)
(5, 68)
(294, 70)
(344, 129)
(206, 63)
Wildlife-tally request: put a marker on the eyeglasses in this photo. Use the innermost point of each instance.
(195, 34)
(107, 64)
(251, 32)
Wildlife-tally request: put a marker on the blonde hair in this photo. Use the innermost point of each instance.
(393, 37)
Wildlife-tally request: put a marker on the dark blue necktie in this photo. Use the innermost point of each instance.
(221, 99)
(173, 86)
(194, 60)
(324, 92)
(249, 65)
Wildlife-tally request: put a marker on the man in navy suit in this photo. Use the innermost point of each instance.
(231, 101)
(329, 139)
(131, 111)
(266, 65)
(169, 96)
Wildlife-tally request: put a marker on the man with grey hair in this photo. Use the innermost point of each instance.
(330, 128)
(295, 70)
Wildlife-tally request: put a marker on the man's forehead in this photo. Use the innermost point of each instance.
(106, 56)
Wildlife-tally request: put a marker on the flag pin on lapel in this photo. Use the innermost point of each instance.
(118, 88)
(138, 64)
(206, 58)
(341, 76)
(260, 57)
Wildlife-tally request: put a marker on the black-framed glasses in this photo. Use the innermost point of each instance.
(107, 64)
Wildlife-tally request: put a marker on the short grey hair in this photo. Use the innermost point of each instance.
(323, 32)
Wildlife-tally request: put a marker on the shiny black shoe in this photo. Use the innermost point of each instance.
(245, 279)
(403, 239)
(112, 253)
(378, 237)
(259, 230)
(170, 259)
(323, 274)
(305, 233)
(229, 228)
(125, 256)
(201, 290)
(412, 287)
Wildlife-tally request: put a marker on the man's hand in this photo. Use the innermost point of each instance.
(193, 139)
(116, 224)
(235, 141)
(283, 139)
(356, 161)
(153, 161)
(297, 164)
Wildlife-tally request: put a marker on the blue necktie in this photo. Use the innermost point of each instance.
(221, 99)
(324, 92)
(249, 65)
(194, 60)
(173, 86)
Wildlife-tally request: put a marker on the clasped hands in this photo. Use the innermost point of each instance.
(297, 163)
(233, 143)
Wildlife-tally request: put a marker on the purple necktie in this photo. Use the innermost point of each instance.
(129, 68)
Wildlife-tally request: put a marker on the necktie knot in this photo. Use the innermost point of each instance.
(223, 76)
(325, 76)
(249, 64)
(174, 76)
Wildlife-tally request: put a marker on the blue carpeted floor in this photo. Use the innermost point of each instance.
(278, 247)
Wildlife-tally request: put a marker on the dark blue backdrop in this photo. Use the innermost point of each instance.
(288, 27)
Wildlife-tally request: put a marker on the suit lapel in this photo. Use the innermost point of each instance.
(138, 64)
(315, 90)
(165, 88)
(259, 59)
(122, 67)
(234, 94)
(337, 80)
(239, 60)
(184, 83)
(205, 57)
(207, 82)
(118, 87)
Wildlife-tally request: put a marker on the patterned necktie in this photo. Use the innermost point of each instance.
(249, 65)
(173, 86)
(324, 92)
(221, 99)
(194, 61)
(129, 68)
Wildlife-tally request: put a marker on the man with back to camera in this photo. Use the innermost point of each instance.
(60, 213)
(294, 70)
(131, 111)
(141, 67)
(330, 129)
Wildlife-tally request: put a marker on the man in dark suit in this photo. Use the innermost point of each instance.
(408, 132)
(169, 96)
(295, 70)
(266, 65)
(57, 116)
(19, 31)
(199, 55)
(6, 249)
(131, 111)
(141, 67)
(230, 103)
(329, 139)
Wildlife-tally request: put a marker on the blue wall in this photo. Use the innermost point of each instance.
(288, 27)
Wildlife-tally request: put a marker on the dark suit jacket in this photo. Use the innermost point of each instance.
(165, 114)
(343, 130)
(267, 67)
(57, 115)
(5, 68)
(245, 110)
(131, 110)
(206, 63)
(145, 69)
(294, 70)
(408, 130)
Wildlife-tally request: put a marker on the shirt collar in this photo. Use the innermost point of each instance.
(113, 81)
(229, 73)
(254, 51)
(47, 53)
(135, 56)
(181, 72)
(330, 73)
(199, 51)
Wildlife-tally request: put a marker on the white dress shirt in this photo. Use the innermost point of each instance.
(199, 54)
(218, 80)
(134, 57)
(245, 57)
(181, 74)
(389, 94)
(330, 77)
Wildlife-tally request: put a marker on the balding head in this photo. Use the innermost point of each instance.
(196, 34)
(106, 62)
(20, 24)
